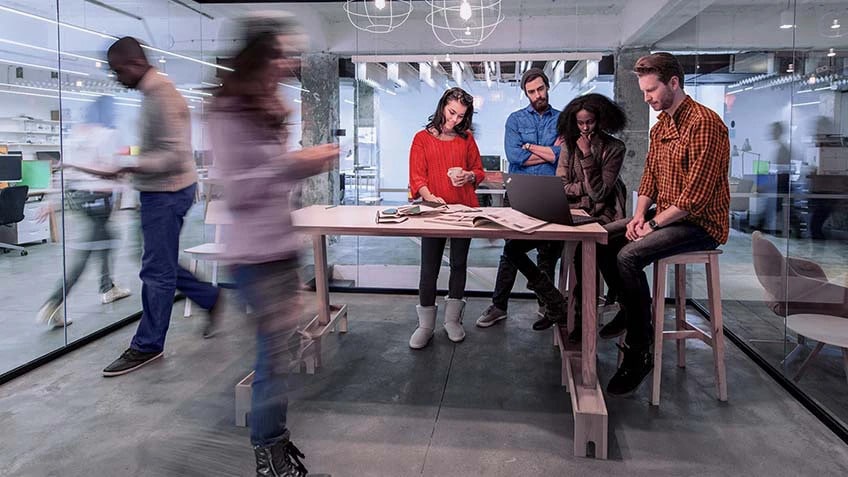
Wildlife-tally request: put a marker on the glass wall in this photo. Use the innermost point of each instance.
(780, 85)
(775, 71)
(78, 268)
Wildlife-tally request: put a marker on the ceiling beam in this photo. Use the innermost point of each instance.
(475, 57)
(646, 22)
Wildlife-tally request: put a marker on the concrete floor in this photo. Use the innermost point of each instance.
(490, 406)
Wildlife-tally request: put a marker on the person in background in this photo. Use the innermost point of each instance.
(686, 176)
(445, 143)
(166, 176)
(532, 147)
(91, 145)
(589, 169)
(248, 130)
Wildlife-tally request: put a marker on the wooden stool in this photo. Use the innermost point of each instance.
(685, 330)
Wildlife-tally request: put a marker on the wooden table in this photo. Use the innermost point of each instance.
(579, 371)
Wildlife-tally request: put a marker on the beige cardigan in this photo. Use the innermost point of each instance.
(166, 162)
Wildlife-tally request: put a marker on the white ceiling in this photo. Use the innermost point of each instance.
(529, 26)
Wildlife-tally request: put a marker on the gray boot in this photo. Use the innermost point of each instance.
(426, 324)
(453, 319)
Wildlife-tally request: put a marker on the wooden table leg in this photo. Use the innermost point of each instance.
(54, 226)
(590, 317)
(587, 400)
(322, 286)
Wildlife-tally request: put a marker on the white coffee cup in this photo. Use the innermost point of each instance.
(454, 173)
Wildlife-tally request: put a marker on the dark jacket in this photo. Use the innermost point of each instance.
(591, 182)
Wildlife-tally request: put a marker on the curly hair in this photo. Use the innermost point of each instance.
(437, 120)
(609, 117)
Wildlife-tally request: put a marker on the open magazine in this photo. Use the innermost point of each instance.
(503, 216)
(396, 215)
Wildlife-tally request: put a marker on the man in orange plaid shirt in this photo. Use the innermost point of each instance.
(686, 176)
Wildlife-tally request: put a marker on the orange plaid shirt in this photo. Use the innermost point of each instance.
(687, 166)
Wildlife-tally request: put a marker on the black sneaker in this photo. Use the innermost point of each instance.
(279, 460)
(129, 361)
(616, 327)
(635, 367)
(552, 317)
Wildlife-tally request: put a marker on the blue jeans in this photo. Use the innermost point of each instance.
(623, 262)
(162, 216)
(270, 289)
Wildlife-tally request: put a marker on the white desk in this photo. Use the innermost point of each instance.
(579, 371)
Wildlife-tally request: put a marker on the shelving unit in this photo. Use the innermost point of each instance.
(24, 131)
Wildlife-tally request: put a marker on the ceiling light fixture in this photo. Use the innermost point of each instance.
(48, 50)
(99, 34)
(831, 53)
(787, 18)
(835, 25)
(465, 23)
(19, 63)
(22, 93)
(465, 10)
(380, 16)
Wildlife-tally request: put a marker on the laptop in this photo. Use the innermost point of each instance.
(542, 197)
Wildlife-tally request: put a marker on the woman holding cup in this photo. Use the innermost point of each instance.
(444, 167)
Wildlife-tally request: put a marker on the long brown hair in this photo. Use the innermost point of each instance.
(247, 80)
(437, 120)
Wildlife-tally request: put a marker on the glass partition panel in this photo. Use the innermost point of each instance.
(33, 122)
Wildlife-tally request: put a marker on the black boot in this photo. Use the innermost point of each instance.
(555, 310)
(279, 460)
(635, 367)
(616, 327)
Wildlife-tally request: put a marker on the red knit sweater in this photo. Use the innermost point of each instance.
(429, 161)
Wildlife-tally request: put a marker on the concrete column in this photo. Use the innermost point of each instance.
(635, 135)
(320, 116)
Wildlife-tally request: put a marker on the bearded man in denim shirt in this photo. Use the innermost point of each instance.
(532, 147)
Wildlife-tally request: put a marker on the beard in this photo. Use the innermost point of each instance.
(541, 104)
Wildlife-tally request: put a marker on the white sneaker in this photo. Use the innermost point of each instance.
(48, 311)
(59, 321)
(52, 314)
(114, 294)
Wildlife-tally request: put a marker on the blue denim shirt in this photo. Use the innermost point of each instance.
(528, 126)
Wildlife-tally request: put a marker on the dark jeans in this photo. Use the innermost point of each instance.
(432, 249)
(548, 252)
(162, 216)
(96, 207)
(623, 262)
(270, 289)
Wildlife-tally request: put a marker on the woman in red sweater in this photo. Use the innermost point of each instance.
(444, 143)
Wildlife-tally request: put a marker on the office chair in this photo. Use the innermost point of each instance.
(12, 202)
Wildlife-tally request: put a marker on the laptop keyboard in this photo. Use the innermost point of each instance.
(583, 219)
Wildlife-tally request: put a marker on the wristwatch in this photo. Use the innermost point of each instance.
(653, 224)
(526, 146)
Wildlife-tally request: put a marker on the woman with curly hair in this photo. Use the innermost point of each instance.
(589, 166)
